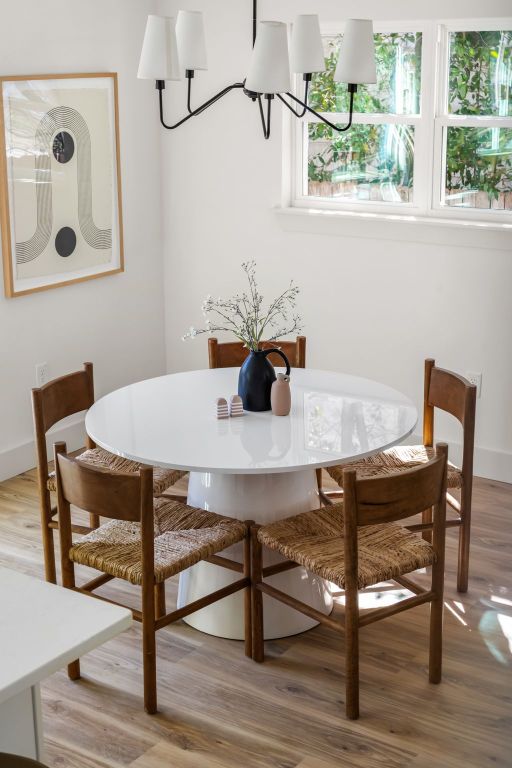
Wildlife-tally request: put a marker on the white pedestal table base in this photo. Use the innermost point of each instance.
(264, 499)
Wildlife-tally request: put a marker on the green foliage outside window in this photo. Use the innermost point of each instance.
(480, 83)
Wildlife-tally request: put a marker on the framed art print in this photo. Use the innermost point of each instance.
(60, 189)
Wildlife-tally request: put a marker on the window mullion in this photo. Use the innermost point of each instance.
(424, 141)
(483, 121)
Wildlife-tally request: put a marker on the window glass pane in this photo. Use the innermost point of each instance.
(397, 91)
(480, 81)
(369, 162)
(478, 168)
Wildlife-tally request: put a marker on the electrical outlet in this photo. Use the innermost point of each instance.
(41, 374)
(476, 379)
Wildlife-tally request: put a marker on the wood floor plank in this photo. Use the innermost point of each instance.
(62, 754)
(219, 709)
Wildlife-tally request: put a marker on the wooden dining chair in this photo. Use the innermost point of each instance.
(355, 544)
(51, 403)
(231, 354)
(145, 542)
(454, 394)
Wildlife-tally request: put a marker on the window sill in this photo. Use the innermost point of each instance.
(400, 227)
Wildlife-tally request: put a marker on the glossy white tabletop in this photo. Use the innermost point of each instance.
(170, 421)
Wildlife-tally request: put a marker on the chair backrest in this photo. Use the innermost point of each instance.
(116, 495)
(233, 353)
(56, 400)
(455, 395)
(397, 496)
(389, 498)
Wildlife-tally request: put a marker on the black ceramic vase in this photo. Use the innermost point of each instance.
(256, 377)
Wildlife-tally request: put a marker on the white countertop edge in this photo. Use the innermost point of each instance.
(41, 673)
(35, 675)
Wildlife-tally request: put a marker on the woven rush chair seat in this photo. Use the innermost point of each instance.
(315, 540)
(98, 457)
(183, 536)
(396, 459)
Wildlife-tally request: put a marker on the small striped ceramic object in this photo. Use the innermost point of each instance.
(222, 408)
(236, 407)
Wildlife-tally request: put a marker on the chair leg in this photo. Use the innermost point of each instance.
(436, 640)
(464, 542)
(351, 654)
(149, 647)
(68, 581)
(437, 604)
(258, 652)
(74, 670)
(319, 479)
(247, 592)
(94, 520)
(426, 519)
(160, 600)
(50, 571)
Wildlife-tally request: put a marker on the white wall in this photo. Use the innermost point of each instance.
(371, 307)
(118, 321)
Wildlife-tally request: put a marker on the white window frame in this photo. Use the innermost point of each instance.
(429, 152)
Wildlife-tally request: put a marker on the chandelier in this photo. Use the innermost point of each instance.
(173, 46)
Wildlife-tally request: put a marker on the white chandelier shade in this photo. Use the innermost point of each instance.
(269, 69)
(356, 62)
(191, 40)
(159, 56)
(306, 49)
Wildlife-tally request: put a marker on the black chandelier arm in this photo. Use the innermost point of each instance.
(161, 85)
(254, 20)
(304, 108)
(217, 97)
(190, 75)
(266, 123)
(352, 91)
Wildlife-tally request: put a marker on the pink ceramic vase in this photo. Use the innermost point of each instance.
(280, 395)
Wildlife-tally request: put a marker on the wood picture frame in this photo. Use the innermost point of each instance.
(60, 180)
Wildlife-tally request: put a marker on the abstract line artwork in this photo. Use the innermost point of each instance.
(61, 207)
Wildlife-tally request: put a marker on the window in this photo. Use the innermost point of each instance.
(432, 137)
(475, 127)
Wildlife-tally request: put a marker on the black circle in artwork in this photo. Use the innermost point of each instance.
(63, 147)
(65, 242)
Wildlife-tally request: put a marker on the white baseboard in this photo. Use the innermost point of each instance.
(488, 463)
(491, 464)
(20, 458)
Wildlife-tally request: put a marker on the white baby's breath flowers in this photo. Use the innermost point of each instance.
(244, 316)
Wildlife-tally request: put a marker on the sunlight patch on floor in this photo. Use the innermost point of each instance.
(379, 596)
(496, 631)
(456, 613)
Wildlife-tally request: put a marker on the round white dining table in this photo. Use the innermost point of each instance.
(255, 467)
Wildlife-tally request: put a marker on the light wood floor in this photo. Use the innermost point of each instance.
(220, 709)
